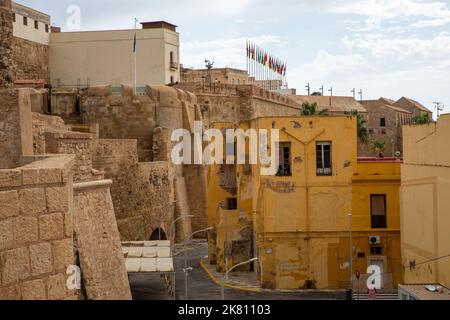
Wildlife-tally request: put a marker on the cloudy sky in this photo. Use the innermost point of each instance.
(388, 48)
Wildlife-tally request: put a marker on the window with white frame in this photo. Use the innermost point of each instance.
(323, 158)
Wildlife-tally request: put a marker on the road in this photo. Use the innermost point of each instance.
(201, 287)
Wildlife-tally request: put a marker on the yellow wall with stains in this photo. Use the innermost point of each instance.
(425, 203)
(301, 222)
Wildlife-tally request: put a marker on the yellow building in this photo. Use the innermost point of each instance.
(425, 203)
(297, 222)
(376, 220)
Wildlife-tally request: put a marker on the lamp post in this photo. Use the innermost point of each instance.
(186, 269)
(350, 218)
(172, 227)
(225, 278)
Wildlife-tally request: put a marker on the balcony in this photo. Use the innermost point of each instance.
(174, 66)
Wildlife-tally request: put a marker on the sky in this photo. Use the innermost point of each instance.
(387, 48)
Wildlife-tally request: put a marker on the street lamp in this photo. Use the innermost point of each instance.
(225, 278)
(172, 227)
(186, 269)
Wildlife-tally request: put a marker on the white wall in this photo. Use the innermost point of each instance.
(106, 57)
(29, 32)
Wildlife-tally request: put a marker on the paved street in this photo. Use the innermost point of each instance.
(202, 287)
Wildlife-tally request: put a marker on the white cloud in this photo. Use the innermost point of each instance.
(437, 13)
(437, 48)
(325, 65)
(229, 52)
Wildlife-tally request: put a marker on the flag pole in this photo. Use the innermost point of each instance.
(135, 59)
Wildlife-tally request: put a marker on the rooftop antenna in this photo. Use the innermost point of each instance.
(331, 91)
(321, 89)
(360, 94)
(308, 87)
(354, 93)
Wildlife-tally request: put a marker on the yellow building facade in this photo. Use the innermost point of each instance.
(298, 222)
(376, 220)
(425, 203)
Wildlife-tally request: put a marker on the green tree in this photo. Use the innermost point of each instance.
(421, 119)
(310, 109)
(379, 147)
(363, 133)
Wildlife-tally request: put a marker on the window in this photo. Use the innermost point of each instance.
(172, 80)
(36, 24)
(25, 21)
(14, 17)
(284, 169)
(383, 122)
(323, 150)
(232, 203)
(378, 211)
(46, 28)
(171, 58)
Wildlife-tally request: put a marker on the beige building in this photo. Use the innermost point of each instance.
(105, 57)
(425, 203)
(384, 123)
(30, 24)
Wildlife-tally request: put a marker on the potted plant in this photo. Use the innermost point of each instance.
(379, 147)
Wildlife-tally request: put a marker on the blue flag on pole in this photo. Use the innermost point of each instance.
(135, 42)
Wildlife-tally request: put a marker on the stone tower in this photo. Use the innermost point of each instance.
(6, 38)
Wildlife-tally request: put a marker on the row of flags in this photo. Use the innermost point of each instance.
(264, 58)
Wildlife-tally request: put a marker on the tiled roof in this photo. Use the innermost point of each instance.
(382, 103)
(415, 103)
(333, 104)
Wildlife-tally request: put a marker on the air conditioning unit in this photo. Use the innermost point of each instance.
(373, 240)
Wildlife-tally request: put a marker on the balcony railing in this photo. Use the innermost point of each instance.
(174, 65)
(324, 172)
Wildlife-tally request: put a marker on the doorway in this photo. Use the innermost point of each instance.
(158, 234)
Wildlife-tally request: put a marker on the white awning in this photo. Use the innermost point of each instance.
(148, 256)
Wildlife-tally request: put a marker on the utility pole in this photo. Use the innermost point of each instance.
(439, 108)
(308, 87)
(354, 93)
(360, 95)
(321, 90)
(331, 91)
(350, 218)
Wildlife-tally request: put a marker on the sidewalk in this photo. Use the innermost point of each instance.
(244, 281)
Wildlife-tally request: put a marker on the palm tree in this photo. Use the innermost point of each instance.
(421, 119)
(310, 109)
(363, 133)
(379, 147)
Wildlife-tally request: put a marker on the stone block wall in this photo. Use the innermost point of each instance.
(36, 230)
(142, 193)
(79, 144)
(31, 60)
(98, 242)
(235, 103)
(9, 128)
(121, 116)
(6, 50)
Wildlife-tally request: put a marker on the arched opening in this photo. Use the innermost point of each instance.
(158, 234)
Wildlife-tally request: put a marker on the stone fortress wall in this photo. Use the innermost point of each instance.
(21, 59)
(53, 214)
